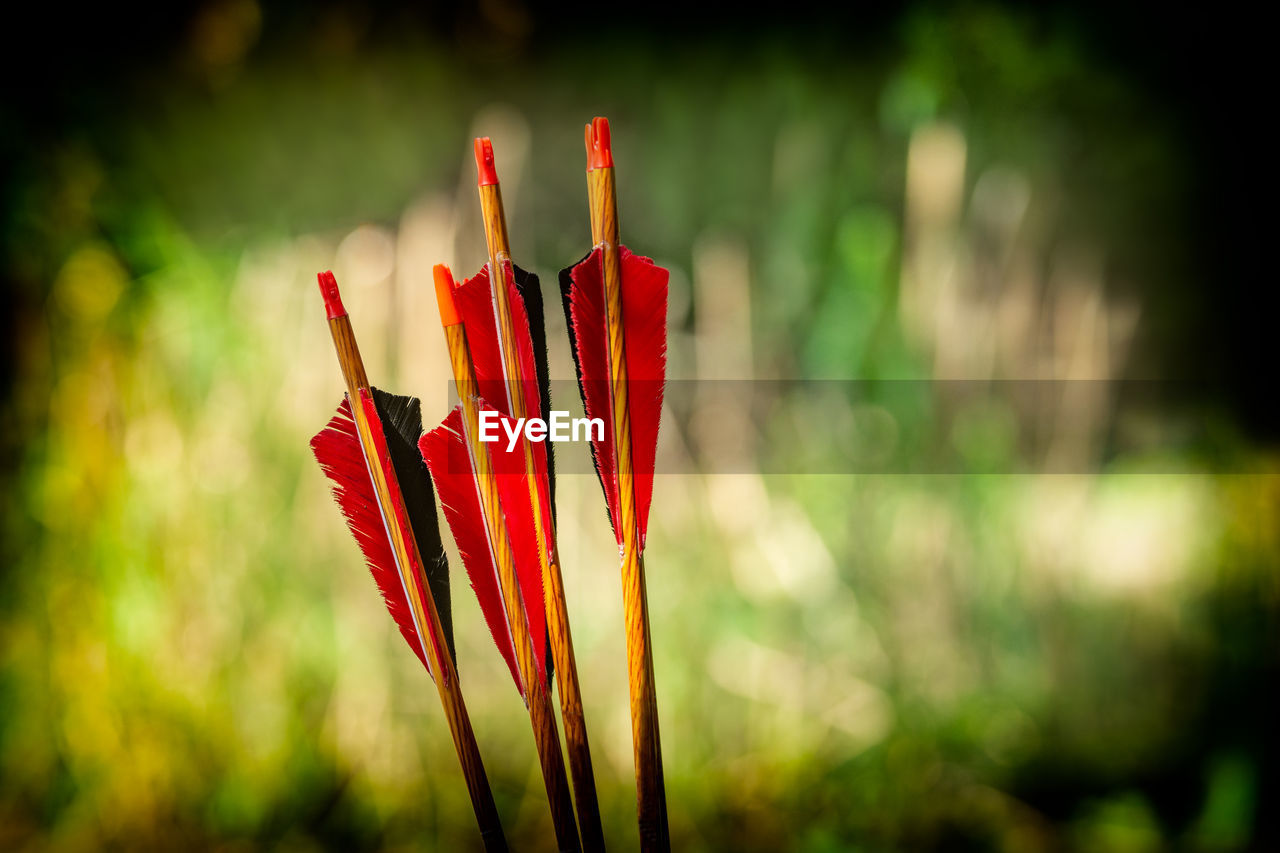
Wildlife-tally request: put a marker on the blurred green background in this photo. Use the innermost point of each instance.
(1069, 653)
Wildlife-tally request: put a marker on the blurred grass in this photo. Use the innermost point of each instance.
(193, 655)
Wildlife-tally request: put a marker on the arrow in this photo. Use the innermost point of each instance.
(616, 310)
(369, 451)
(501, 309)
(494, 525)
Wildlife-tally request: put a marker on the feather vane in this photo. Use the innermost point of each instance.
(449, 457)
(341, 456)
(644, 327)
(475, 302)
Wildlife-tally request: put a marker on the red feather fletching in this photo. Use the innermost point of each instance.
(453, 470)
(644, 329)
(338, 450)
(475, 302)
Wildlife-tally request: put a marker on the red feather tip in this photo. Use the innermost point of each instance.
(337, 448)
(644, 330)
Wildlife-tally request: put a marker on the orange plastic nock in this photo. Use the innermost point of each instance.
(486, 175)
(599, 150)
(444, 296)
(332, 299)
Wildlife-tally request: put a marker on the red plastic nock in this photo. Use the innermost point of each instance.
(444, 295)
(486, 175)
(599, 146)
(332, 299)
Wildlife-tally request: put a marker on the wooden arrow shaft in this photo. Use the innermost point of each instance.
(651, 798)
(537, 696)
(571, 710)
(424, 608)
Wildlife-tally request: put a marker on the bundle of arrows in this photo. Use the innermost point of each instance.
(499, 497)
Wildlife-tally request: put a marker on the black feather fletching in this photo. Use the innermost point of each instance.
(402, 425)
(530, 291)
(566, 288)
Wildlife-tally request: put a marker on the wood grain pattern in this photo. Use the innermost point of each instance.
(537, 695)
(446, 676)
(566, 665)
(651, 798)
